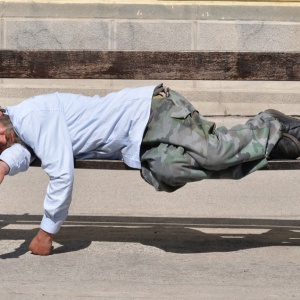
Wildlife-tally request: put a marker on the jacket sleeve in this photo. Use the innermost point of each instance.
(48, 136)
(17, 157)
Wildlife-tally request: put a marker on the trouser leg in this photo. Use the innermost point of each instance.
(180, 146)
(242, 143)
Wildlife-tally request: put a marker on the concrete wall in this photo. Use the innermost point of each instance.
(157, 25)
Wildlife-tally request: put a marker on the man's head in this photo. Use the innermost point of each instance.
(7, 133)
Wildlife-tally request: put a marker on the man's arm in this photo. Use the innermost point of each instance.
(19, 158)
(14, 160)
(50, 140)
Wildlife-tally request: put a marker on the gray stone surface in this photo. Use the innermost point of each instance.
(167, 10)
(58, 34)
(209, 97)
(248, 36)
(147, 36)
(151, 35)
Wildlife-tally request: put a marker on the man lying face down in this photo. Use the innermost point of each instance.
(150, 128)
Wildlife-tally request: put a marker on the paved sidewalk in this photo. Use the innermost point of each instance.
(216, 239)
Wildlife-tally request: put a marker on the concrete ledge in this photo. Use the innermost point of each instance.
(211, 98)
(150, 35)
(159, 10)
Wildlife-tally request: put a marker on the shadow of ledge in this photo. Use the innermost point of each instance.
(176, 235)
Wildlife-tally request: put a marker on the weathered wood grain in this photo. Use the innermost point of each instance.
(119, 165)
(150, 65)
(283, 165)
(101, 164)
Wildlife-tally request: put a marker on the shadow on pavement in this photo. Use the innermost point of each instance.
(176, 235)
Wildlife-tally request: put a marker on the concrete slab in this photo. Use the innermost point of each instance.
(213, 98)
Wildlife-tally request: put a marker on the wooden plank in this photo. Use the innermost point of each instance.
(119, 165)
(194, 65)
(283, 165)
(93, 164)
(101, 164)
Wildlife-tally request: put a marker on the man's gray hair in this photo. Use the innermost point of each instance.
(5, 120)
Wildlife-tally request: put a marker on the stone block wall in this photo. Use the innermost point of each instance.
(157, 25)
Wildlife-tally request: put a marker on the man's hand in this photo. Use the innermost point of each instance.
(4, 169)
(42, 243)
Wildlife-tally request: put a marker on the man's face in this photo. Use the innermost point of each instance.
(6, 138)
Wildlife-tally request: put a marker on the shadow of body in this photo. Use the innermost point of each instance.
(176, 235)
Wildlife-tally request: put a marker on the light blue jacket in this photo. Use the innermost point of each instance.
(61, 126)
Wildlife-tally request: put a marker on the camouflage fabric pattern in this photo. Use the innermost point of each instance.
(181, 146)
